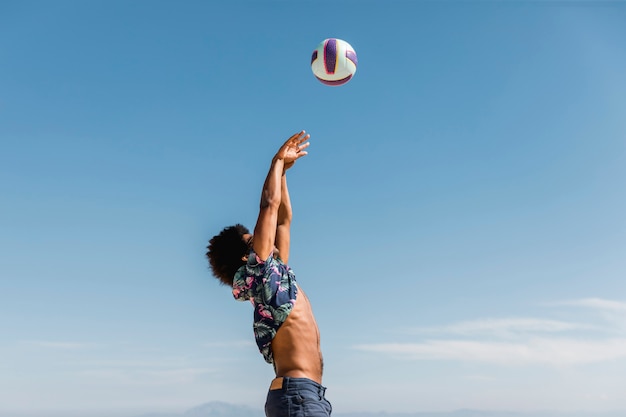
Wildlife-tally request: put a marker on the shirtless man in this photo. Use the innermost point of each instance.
(255, 265)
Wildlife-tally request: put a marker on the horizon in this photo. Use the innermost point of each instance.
(224, 409)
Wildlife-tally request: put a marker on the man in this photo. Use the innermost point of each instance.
(255, 265)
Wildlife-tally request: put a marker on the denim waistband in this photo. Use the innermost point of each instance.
(291, 383)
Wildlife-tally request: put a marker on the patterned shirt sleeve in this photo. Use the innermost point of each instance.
(272, 288)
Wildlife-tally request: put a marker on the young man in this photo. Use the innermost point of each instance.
(255, 265)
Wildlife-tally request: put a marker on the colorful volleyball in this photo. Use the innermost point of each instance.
(334, 62)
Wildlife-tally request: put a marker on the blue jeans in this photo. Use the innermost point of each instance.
(298, 397)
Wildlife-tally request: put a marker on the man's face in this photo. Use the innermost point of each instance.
(247, 238)
(249, 241)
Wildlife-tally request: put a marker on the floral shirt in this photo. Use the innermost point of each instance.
(271, 287)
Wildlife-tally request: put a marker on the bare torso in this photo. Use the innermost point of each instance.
(296, 346)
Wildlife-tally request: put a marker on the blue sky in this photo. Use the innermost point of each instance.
(458, 223)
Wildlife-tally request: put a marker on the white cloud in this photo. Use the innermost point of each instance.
(550, 351)
(514, 341)
(596, 303)
(505, 327)
(58, 345)
(613, 313)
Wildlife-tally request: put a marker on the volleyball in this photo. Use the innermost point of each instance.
(334, 62)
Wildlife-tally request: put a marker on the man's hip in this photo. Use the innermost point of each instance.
(296, 397)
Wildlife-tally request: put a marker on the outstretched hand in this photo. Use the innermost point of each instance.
(293, 149)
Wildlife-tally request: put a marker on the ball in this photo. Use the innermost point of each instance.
(334, 62)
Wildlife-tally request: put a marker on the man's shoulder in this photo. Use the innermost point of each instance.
(255, 261)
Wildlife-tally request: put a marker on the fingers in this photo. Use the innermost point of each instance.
(300, 151)
(294, 147)
(299, 141)
(302, 141)
(304, 136)
(299, 137)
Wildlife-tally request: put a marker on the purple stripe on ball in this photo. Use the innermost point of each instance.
(314, 56)
(330, 56)
(335, 83)
(351, 55)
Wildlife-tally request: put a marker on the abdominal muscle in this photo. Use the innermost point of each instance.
(296, 346)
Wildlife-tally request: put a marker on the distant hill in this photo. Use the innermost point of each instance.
(214, 409)
(222, 409)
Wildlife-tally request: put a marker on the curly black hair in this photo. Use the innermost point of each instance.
(225, 252)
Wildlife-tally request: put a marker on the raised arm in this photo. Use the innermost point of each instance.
(272, 195)
(283, 230)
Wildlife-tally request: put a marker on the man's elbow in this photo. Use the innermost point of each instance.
(284, 222)
(284, 215)
(270, 202)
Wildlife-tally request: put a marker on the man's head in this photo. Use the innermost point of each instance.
(227, 252)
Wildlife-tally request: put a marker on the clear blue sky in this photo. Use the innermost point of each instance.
(458, 223)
